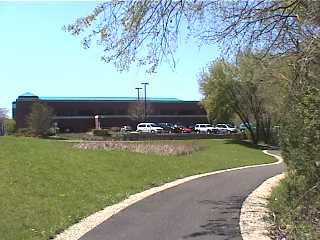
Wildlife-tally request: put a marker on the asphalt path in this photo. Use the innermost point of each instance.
(205, 208)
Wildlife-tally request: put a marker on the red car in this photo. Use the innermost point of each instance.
(187, 129)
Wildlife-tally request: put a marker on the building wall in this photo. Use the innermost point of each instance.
(78, 116)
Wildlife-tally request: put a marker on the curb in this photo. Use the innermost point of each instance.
(254, 211)
(77, 230)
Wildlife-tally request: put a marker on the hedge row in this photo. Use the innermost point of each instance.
(178, 136)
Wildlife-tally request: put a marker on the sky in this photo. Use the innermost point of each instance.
(37, 56)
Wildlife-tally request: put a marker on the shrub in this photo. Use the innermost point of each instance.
(115, 129)
(297, 206)
(10, 126)
(301, 136)
(26, 132)
(101, 132)
(295, 209)
(163, 149)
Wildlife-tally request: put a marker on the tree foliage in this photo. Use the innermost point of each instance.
(249, 88)
(3, 116)
(214, 85)
(3, 113)
(123, 28)
(147, 32)
(40, 119)
(9, 126)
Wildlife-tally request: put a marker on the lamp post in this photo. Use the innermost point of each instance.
(138, 89)
(145, 100)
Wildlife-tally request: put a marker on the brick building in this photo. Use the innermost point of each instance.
(77, 113)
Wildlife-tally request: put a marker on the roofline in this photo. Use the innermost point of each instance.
(32, 97)
(44, 99)
(129, 116)
(106, 100)
(131, 101)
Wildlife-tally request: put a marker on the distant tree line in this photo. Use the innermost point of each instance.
(7, 126)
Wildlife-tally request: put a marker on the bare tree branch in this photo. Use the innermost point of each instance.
(147, 32)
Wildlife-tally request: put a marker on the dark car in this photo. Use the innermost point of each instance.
(178, 128)
(167, 127)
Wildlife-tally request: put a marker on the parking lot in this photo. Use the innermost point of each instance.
(170, 128)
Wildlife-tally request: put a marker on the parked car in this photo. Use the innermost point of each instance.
(243, 128)
(224, 128)
(188, 129)
(178, 128)
(149, 128)
(203, 128)
(167, 127)
(126, 128)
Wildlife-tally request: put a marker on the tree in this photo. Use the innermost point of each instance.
(123, 28)
(40, 119)
(10, 126)
(136, 110)
(248, 88)
(214, 85)
(263, 90)
(3, 116)
(3, 113)
(146, 32)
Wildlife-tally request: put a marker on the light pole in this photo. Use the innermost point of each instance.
(138, 89)
(145, 100)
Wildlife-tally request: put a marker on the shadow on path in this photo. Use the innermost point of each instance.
(226, 225)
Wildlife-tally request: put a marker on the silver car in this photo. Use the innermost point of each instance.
(224, 128)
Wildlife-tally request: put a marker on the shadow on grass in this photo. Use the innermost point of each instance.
(249, 144)
(53, 138)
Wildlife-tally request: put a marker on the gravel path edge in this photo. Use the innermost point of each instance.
(254, 212)
(77, 230)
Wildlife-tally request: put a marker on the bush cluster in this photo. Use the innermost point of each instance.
(179, 136)
(24, 132)
(296, 203)
(295, 216)
(101, 132)
(301, 137)
(163, 149)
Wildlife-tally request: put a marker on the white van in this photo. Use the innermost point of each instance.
(225, 128)
(149, 128)
(203, 128)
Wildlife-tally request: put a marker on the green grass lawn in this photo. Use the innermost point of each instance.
(46, 185)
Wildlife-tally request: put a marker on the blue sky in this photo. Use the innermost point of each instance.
(38, 56)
